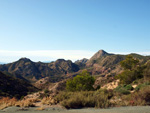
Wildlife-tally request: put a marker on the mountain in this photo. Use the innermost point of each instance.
(12, 87)
(97, 56)
(81, 63)
(103, 63)
(34, 71)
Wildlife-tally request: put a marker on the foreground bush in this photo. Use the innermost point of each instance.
(82, 82)
(99, 99)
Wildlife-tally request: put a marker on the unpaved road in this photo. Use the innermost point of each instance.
(136, 109)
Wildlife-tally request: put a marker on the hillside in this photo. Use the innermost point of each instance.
(12, 87)
(103, 63)
(34, 71)
(81, 63)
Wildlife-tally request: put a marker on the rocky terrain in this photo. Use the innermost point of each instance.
(24, 68)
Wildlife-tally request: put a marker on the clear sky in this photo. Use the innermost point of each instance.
(49, 29)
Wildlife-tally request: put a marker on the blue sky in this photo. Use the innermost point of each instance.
(74, 28)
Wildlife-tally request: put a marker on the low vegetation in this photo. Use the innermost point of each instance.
(98, 99)
(6, 102)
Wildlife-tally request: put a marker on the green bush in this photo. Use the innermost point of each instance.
(82, 82)
(129, 87)
(122, 89)
(133, 70)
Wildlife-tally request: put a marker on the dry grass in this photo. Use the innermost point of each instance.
(6, 102)
(98, 99)
(48, 101)
(27, 103)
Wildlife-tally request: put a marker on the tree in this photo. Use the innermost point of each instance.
(82, 82)
(129, 63)
(132, 70)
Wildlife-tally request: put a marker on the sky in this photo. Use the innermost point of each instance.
(45, 30)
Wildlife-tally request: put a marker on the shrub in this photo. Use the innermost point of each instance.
(129, 87)
(99, 99)
(122, 90)
(6, 102)
(82, 82)
(133, 70)
(142, 97)
(48, 101)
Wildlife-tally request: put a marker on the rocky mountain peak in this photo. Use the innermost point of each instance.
(99, 54)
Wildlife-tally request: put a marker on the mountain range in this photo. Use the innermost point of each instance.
(101, 63)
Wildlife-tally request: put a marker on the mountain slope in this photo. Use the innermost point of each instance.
(103, 63)
(34, 71)
(13, 87)
(81, 63)
(97, 56)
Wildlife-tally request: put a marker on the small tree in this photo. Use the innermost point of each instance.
(132, 70)
(82, 82)
(129, 63)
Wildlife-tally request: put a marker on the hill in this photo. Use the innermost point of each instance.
(12, 87)
(24, 68)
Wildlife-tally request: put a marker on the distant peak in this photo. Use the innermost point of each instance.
(60, 60)
(99, 54)
(24, 59)
(102, 52)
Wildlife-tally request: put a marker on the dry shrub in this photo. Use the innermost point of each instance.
(99, 99)
(142, 97)
(26, 103)
(49, 101)
(138, 98)
(6, 102)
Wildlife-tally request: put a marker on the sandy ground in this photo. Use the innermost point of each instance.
(137, 109)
